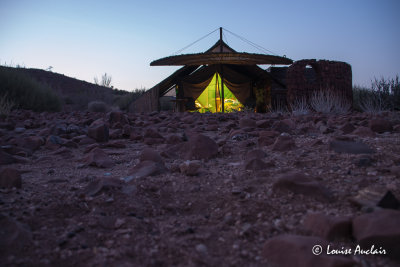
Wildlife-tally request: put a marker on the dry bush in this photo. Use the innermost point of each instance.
(97, 106)
(328, 101)
(278, 108)
(384, 94)
(300, 107)
(6, 105)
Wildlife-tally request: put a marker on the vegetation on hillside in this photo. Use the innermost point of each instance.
(105, 80)
(384, 94)
(123, 101)
(24, 92)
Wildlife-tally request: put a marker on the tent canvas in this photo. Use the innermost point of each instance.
(210, 99)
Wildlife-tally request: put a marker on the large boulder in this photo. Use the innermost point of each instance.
(328, 227)
(200, 147)
(379, 229)
(299, 183)
(98, 131)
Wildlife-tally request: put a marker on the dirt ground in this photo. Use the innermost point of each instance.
(160, 195)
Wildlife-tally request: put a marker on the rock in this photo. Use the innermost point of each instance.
(152, 133)
(395, 170)
(283, 143)
(6, 158)
(14, 236)
(389, 201)
(347, 128)
(117, 116)
(190, 167)
(10, 178)
(363, 161)
(174, 139)
(144, 169)
(19, 130)
(350, 147)
(308, 128)
(98, 131)
(153, 141)
(295, 250)
(270, 134)
(267, 138)
(135, 136)
(149, 154)
(201, 248)
(379, 229)
(101, 184)
(254, 160)
(265, 141)
(298, 183)
(126, 130)
(116, 144)
(115, 133)
(363, 131)
(98, 158)
(247, 123)
(328, 227)
(368, 197)
(256, 164)
(380, 125)
(263, 123)
(200, 147)
(284, 126)
(54, 142)
(255, 154)
(32, 143)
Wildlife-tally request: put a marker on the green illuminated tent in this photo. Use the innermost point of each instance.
(210, 98)
(218, 80)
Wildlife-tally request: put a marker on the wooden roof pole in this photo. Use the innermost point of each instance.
(220, 39)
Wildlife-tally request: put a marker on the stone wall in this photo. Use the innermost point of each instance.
(309, 75)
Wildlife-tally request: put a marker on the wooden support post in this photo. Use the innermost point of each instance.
(221, 73)
(222, 89)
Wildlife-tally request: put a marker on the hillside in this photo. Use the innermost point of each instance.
(75, 94)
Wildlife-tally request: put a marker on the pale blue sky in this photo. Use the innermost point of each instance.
(83, 39)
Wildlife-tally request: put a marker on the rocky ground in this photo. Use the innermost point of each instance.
(170, 189)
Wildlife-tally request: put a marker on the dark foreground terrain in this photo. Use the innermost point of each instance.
(169, 189)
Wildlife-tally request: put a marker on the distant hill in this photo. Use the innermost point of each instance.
(75, 94)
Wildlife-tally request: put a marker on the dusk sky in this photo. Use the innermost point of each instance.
(84, 39)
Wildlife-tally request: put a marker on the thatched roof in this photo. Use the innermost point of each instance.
(221, 53)
(221, 58)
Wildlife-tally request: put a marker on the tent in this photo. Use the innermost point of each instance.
(218, 80)
(210, 99)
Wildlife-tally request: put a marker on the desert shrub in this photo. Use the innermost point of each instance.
(327, 101)
(105, 80)
(384, 94)
(124, 101)
(27, 93)
(97, 106)
(6, 106)
(278, 107)
(300, 107)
